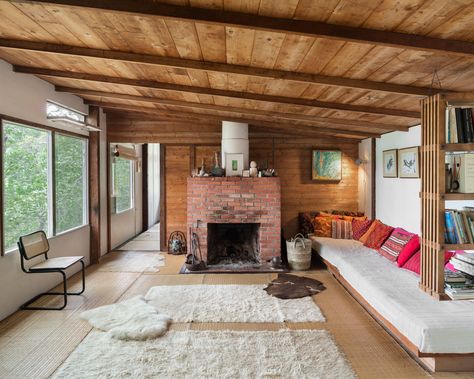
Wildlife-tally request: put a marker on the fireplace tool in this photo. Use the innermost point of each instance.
(193, 261)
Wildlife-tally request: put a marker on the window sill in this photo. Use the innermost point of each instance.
(66, 232)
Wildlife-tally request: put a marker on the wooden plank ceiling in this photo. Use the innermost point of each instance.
(340, 68)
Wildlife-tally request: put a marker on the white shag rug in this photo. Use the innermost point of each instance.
(133, 262)
(131, 319)
(230, 303)
(210, 354)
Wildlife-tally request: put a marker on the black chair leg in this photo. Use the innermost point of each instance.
(64, 293)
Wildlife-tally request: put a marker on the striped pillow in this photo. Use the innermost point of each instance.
(359, 227)
(342, 229)
(392, 247)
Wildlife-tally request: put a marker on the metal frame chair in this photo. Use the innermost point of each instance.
(36, 244)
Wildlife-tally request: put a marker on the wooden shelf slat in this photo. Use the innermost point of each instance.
(458, 246)
(458, 147)
(458, 196)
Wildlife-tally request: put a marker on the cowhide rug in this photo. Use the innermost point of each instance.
(288, 286)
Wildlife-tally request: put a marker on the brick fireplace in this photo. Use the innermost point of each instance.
(242, 217)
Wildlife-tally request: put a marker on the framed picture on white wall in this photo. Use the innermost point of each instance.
(409, 162)
(390, 163)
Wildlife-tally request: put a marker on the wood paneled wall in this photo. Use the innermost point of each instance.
(299, 193)
(293, 164)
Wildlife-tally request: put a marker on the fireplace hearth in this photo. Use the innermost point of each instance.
(233, 243)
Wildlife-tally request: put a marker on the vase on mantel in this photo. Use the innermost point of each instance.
(217, 170)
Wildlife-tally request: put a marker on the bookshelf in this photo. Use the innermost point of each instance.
(433, 196)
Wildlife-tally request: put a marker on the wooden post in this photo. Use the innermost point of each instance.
(163, 231)
(144, 187)
(94, 190)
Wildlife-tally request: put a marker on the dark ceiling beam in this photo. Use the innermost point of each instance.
(273, 24)
(150, 84)
(225, 108)
(108, 106)
(154, 60)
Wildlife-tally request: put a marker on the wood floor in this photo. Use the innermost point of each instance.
(33, 344)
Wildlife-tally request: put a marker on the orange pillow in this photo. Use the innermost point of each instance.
(322, 226)
(366, 235)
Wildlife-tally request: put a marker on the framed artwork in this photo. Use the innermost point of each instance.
(326, 165)
(409, 162)
(390, 169)
(234, 164)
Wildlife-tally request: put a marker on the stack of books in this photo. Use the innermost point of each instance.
(458, 286)
(459, 125)
(459, 225)
(464, 263)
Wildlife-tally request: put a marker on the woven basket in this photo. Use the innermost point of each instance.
(299, 253)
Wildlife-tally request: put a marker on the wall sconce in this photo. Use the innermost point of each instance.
(359, 161)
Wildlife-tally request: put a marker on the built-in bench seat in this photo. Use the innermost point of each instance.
(427, 327)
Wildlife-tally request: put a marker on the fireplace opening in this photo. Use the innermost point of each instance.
(232, 243)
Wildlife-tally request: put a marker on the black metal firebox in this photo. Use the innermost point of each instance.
(233, 244)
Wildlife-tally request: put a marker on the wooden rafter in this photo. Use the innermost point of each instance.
(230, 109)
(150, 84)
(273, 24)
(320, 129)
(154, 60)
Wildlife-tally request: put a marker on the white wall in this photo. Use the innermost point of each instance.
(24, 96)
(153, 184)
(126, 225)
(365, 177)
(397, 200)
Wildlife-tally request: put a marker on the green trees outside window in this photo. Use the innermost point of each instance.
(70, 153)
(123, 171)
(25, 180)
(29, 182)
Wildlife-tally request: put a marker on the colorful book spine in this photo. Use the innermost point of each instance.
(451, 235)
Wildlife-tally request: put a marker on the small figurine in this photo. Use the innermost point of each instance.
(202, 171)
(253, 169)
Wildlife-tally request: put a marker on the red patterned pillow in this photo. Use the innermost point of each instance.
(392, 247)
(378, 236)
(359, 227)
(341, 229)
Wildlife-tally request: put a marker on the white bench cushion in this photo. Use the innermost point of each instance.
(433, 326)
(56, 263)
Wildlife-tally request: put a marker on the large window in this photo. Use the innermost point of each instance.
(70, 169)
(44, 183)
(123, 184)
(26, 176)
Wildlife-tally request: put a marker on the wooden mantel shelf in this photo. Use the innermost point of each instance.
(458, 147)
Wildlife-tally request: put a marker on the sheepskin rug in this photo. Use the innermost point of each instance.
(210, 354)
(131, 319)
(230, 303)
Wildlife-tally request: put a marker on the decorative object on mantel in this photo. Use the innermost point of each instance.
(409, 162)
(326, 165)
(217, 170)
(299, 252)
(177, 244)
(390, 169)
(234, 164)
(288, 286)
(246, 174)
(202, 171)
(253, 171)
(193, 261)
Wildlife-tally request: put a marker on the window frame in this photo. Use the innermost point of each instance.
(51, 177)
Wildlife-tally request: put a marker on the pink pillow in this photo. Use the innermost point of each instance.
(413, 264)
(410, 248)
(392, 247)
